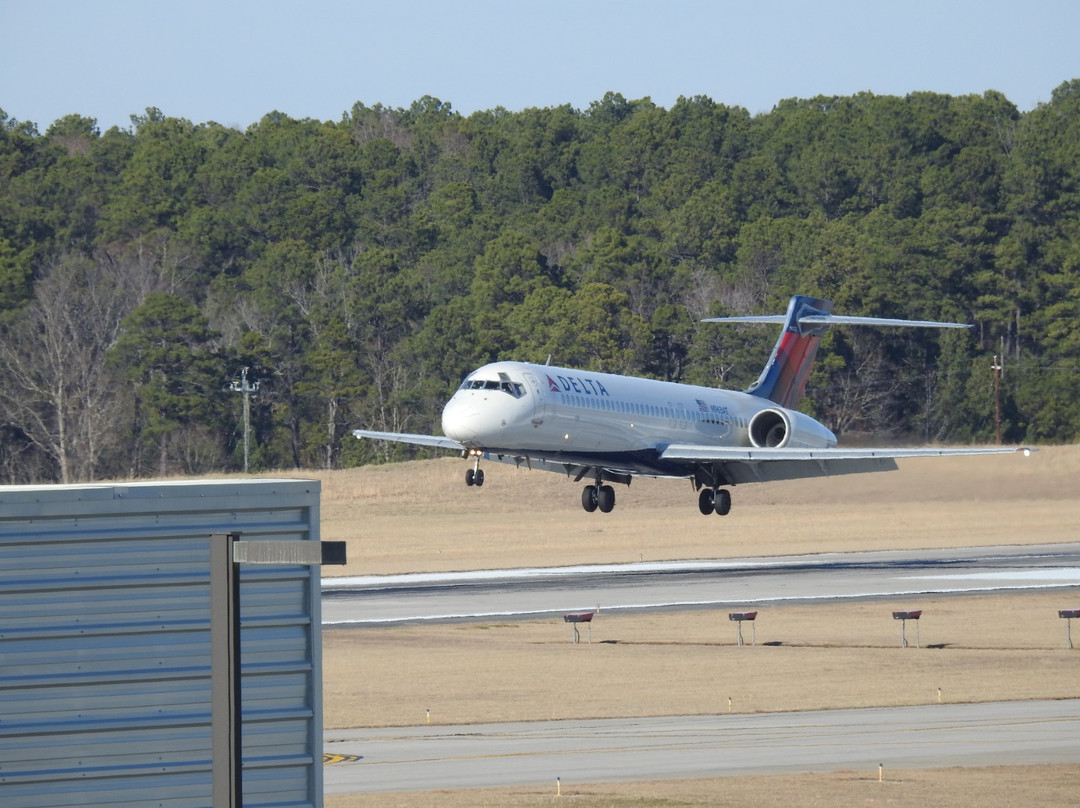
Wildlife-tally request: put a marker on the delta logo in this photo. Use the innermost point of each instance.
(573, 384)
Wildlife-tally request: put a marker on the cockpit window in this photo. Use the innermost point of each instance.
(515, 389)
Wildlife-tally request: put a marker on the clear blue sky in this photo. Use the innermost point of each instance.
(232, 62)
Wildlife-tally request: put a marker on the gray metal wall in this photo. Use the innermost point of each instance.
(105, 644)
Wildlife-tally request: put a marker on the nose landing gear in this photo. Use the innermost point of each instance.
(475, 475)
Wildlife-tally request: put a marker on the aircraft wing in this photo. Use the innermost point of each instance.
(438, 441)
(740, 465)
(538, 461)
(743, 465)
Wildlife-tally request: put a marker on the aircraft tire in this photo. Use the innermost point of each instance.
(478, 478)
(605, 499)
(722, 502)
(588, 498)
(470, 477)
(705, 501)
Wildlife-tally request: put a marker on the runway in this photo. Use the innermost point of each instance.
(386, 599)
(430, 758)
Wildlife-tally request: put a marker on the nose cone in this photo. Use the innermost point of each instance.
(460, 418)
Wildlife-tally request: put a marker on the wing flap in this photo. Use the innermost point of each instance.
(745, 465)
(757, 472)
(689, 451)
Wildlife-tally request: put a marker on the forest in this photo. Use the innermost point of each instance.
(358, 269)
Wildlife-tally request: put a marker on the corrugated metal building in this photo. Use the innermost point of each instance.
(105, 644)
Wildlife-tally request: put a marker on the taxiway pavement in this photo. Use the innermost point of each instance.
(430, 758)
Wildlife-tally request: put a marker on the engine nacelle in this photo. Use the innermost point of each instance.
(779, 428)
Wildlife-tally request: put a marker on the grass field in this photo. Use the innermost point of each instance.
(421, 517)
(683, 663)
(1000, 787)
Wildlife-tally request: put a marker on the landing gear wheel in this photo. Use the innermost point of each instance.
(474, 476)
(605, 498)
(588, 498)
(721, 502)
(706, 502)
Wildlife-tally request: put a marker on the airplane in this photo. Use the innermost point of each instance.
(608, 428)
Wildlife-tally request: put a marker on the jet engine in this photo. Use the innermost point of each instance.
(779, 428)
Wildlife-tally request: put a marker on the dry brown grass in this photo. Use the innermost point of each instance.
(807, 658)
(998, 787)
(420, 517)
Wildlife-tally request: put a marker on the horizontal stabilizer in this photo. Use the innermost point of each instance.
(784, 378)
(836, 319)
(840, 319)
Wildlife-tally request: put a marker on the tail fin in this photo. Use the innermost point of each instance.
(784, 378)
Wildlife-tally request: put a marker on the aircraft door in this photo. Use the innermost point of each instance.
(539, 398)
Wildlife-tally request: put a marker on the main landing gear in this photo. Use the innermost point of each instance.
(598, 496)
(714, 500)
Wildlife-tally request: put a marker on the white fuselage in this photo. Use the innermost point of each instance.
(609, 429)
(521, 408)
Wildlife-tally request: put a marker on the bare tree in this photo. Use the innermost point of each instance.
(860, 396)
(57, 389)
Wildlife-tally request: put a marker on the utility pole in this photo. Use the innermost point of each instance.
(242, 386)
(998, 367)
